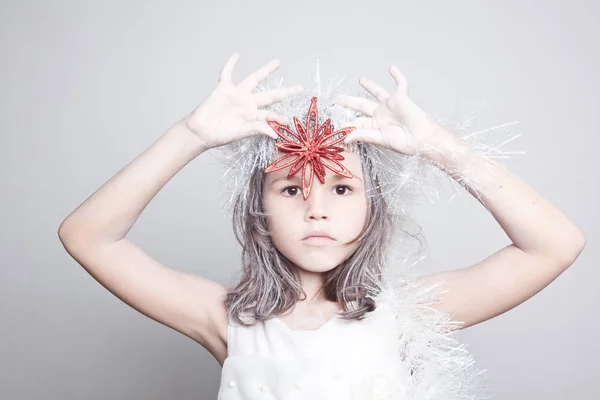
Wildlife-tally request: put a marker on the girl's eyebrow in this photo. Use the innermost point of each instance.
(341, 178)
(285, 178)
(296, 178)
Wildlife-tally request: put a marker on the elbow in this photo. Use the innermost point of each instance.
(563, 252)
(66, 230)
(78, 235)
(579, 245)
(72, 236)
(571, 250)
(66, 235)
(62, 230)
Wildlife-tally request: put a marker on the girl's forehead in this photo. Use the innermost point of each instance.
(351, 161)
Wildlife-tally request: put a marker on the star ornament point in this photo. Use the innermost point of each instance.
(311, 149)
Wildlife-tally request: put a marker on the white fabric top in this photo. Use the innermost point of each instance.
(349, 360)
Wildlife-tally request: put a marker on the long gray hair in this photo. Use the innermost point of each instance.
(269, 283)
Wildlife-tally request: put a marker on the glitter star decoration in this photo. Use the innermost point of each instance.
(313, 151)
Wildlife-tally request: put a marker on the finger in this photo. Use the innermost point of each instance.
(254, 78)
(380, 93)
(228, 68)
(268, 115)
(273, 96)
(399, 78)
(365, 135)
(359, 123)
(365, 106)
(257, 127)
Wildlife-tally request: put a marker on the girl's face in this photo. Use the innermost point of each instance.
(313, 233)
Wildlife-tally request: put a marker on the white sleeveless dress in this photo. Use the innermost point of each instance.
(342, 360)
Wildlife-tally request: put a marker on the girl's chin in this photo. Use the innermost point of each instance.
(320, 268)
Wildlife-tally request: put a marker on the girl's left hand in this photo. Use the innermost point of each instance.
(396, 122)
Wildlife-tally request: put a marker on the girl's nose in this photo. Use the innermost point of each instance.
(316, 207)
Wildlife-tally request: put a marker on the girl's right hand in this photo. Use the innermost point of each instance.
(232, 112)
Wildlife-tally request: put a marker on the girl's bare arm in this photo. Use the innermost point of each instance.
(94, 234)
(545, 242)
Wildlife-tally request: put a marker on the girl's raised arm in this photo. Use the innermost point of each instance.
(545, 242)
(94, 234)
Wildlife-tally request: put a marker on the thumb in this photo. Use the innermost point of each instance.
(369, 135)
(257, 127)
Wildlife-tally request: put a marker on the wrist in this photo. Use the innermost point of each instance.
(190, 139)
(443, 148)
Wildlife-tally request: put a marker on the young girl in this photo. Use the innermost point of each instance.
(316, 313)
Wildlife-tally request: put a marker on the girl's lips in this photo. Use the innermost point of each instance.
(318, 234)
(318, 240)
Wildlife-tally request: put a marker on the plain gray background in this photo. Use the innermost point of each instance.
(88, 85)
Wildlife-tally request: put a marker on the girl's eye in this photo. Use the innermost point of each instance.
(292, 190)
(342, 189)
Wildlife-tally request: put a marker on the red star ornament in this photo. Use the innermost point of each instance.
(312, 148)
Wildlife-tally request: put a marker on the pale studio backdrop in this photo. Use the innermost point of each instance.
(88, 85)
